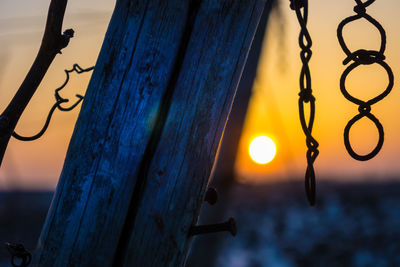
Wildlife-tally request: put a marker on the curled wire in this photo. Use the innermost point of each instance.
(57, 105)
(20, 256)
(364, 57)
(306, 96)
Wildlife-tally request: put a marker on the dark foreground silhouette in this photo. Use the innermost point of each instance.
(352, 225)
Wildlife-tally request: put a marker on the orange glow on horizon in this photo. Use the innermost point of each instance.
(273, 108)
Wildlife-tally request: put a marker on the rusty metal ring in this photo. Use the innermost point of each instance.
(372, 100)
(25, 260)
(305, 77)
(378, 146)
(370, 19)
(309, 183)
(307, 126)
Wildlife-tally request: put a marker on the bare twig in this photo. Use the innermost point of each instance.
(52, 43)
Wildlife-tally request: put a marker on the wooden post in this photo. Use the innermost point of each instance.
(206, 249)
(145, 142)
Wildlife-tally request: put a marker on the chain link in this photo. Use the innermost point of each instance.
(306, 96)
(363, 57)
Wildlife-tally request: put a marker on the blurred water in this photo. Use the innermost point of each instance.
(352, 225)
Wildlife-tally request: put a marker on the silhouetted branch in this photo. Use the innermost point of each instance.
(52, 43)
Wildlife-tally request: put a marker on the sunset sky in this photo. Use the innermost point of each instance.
(273, 110)
(38, 164)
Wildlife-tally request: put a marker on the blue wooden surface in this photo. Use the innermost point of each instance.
(145, 142)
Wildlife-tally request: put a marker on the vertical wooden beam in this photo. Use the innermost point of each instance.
(142, 151)
(206, 249)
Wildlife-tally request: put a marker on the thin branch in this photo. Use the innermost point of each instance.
(52, 43)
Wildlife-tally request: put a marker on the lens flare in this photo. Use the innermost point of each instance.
(262, 149)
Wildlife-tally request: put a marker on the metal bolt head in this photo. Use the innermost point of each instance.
(211, 196)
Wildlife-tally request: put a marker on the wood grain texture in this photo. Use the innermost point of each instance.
(205, 250)
(145, 142)
(181, 167)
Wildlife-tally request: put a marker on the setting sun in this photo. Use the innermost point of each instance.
(262, 149)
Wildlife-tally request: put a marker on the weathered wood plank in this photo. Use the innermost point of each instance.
(111, 134)
(145, 141)
(180, 169)
(205, 250)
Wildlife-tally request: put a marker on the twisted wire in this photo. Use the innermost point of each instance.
(363, 57)
(57, 105)
(306, 96)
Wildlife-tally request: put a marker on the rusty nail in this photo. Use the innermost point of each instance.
(228, 226)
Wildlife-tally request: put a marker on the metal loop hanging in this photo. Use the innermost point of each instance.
(346, 50)
(20, 256)
(374, 100)
(306, 96)
(364, 57)
(59, 100)
(378, 146)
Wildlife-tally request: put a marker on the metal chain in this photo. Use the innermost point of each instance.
(57, 105)
(363, 57)
(20, 256)
(306, 96)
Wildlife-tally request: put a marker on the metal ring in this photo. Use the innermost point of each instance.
(307, 127)
(373, 100)
(353, 18)
(378, 146)
(25, 260)
(309, 183)
(305, 77)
